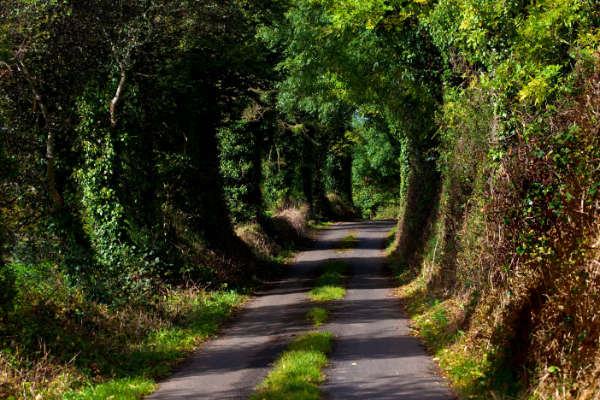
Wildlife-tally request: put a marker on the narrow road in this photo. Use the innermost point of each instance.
(373, 358)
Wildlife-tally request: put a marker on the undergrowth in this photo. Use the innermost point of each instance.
(472, 371)
(57, 344)
(504, 285)
(278, 235)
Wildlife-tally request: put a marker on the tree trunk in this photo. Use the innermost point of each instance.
(115, 100)
(55, 196)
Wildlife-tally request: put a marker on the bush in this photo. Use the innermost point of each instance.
(7, 289)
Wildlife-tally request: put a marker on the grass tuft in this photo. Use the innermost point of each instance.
(318, 316)
(297, 373)
(390, 241)
(347, 243)
(326, 293)
(329, 284)
(318, 224)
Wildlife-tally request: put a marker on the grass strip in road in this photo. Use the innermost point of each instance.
(322, 294)
(330, 283)
(318, 316)
(347, 243)
(298, 371)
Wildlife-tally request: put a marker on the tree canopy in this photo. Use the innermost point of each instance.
(137, 137)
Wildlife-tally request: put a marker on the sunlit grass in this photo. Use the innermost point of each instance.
(474, 372)
(297, 373)
(329, 284)
(121, 389)
(318, 316)
(155, 357)
(327, 293)
(391, 240)
(318, 225)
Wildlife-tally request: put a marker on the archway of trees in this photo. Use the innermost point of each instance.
(137, 137)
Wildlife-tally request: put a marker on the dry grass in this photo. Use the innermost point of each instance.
(258, 240)
(23, 377)
(340, 209)
(65, 342)
(295, 217)
(508, 287)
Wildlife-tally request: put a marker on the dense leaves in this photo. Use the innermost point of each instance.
(136, 136)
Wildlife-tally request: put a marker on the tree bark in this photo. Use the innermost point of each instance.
(115, 100)
(55, 196)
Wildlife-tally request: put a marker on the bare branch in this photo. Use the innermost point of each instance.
(115, 100)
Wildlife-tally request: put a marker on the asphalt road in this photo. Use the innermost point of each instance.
(373, 356)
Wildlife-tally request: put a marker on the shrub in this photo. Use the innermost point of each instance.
(7, 289)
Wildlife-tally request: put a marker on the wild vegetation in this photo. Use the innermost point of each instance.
(159, 158)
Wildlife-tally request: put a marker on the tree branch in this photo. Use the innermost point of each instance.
(115, 100)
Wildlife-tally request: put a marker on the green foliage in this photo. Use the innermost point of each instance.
(375, 60)
(133, 136)
(120, 351)
(376, 168)
(282, 172)
(240, 156)
(7, 289)
(104, 214)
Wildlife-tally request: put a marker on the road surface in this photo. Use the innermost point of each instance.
(373, 355)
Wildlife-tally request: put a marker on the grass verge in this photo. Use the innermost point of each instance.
(74, 349)
(390, 241)
(298, 371)
(347, 243)
(330, 284)
(318, 224)
(155, 356)
(318, 316)
(467, 365)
